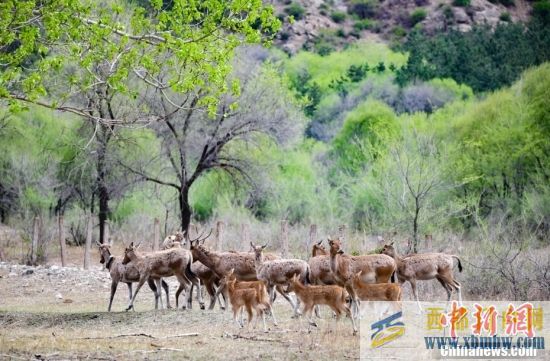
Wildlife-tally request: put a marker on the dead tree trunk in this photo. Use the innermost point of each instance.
(61, 241)
(88, 246)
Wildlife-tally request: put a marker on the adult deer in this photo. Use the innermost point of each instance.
(172, 262)
(279, 272)
(319, 265)
(242, 264)
(208, 278)
(375, 268)
(127, 274)
(424, 267)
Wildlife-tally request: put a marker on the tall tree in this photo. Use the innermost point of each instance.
(195, 142)
(93, 59)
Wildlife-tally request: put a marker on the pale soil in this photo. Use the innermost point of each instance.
(59, 313)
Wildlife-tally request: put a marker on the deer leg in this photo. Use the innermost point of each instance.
(222, 290)
(211, 292)
(199, 296)
(180, 289)
(250, 315)
(235, 311)
(114, 285)
(167, 291)
(140, 283)
(129, 284)
(154, 288)
(445, 286)
(317, 311)
(292, 303)
(415, 293)
(348, 312)
(184, 285)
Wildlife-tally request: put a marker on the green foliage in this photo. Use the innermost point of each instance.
(71, 41)
(363, 9)
(295, 10)
(338, 16)
(417, 16)
(462, 3)
(505, 16)
(364, 24)
(482, 58)
(364, 136)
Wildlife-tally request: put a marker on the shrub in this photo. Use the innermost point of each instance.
(363, 24)
(505, 16)
(417, 16)
(448, 12)
(462, 3)
(340, 33)
(399, 31)
(295, 10)
(363, 8)
(338, 16)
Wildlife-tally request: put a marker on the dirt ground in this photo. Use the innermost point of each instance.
(55, 313)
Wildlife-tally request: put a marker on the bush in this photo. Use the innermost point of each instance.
(295, 10)
(505, 16)
(363, 8)
(340, 33)
(462, 3)
(338, 16)
(399, 32)
(363, 24)
(417, 16)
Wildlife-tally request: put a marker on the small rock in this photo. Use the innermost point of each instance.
(68, 300)
(12, 274)
(28, 272)
(54, 267)
(58, 296)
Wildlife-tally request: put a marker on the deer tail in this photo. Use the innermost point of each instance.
(459, 263)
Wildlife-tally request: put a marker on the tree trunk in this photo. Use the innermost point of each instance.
(102, 190)
(415, 225)
(185, 208)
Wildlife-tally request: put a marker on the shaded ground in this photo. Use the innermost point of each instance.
(59, 313)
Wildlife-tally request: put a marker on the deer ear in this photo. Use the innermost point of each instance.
(132, 244)
(391, 244)
(252, 245)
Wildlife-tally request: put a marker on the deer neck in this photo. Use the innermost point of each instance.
(208, 258)
(333, 262)
(258, 262)
(298, 287)
(109, 262)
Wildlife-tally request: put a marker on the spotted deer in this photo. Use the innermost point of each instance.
(171, 262)
(331, 295)
(375, 268)
(424, 267)
(127, 274)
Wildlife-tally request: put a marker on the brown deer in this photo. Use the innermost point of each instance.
(375, 291)
(426, 266)
(222, 262)
(331, 295)
(171, 262)
(259, 286)
(376, 268)
(319, 265)
(251, 298)
(206, 275)
(127, 274)
(279, 272)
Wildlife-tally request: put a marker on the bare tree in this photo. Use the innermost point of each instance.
(195, 141)
(414, 177)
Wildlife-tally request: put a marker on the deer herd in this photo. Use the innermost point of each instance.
(251, 280)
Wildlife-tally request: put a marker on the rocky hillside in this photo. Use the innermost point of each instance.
(322, 25)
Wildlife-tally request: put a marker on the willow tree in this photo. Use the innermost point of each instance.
(94, 59)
